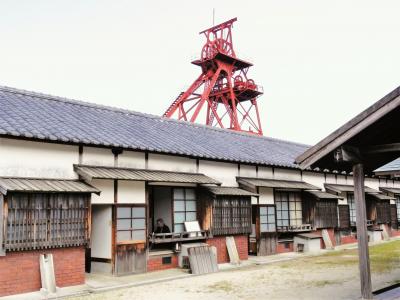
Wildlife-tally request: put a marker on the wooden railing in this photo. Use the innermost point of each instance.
(173, 237)
(295, 228)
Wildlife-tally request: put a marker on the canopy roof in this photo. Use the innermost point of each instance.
(229, 191)
(273, 183)
(374, 132)
(98, 172)
(14, 184)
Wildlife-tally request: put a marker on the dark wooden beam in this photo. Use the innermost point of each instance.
(376, 149)
(347, 154)
(362, 234)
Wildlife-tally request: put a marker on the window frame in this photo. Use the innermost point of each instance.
(267, 206)
(288, 199)
(397, 202)
(185, 211)
(352, 208)
(131, 229)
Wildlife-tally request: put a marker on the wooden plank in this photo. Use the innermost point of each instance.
(362, 235)
(327, 239)
(232, 250)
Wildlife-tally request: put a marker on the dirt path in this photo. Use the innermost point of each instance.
(331, 276)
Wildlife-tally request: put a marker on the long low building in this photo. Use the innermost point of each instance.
(87, 183)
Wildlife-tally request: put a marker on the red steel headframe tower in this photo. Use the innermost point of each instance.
(223, 95)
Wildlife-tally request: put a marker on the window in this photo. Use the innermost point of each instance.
(231, 215)
(398, 207)
(40, 220)
(352, 208)
(131, 223)
(382, 212)
(288, 210)
(326, 214)
(185, 208)
(267, 219)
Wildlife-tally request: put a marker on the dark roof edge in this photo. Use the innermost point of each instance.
(348, 125)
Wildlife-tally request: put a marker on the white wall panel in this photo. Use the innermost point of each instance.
(331, 178)
(317, 179)
(265, 172)
(97, 156)
(266, 196)
(131, 192)
(101, 231)
(341, 179)
(284, 174)
(132, 159)
(36, 159)
(247, 171)
(396, 184)
(223, 172)
(372, 183)
(171, 163)
(107, 191)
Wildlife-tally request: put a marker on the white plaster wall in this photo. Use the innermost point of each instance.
(36, 159)
(247, 171)
(316, 179)
(132, 159)
(131, 192)
(97, 156)
(284, 174)
(266, 195)
(372, 183)
(171, 163)
(224, 172)
(101, 231)
(106, 186)
(396, 184)
(331, 178)
(341, 179)
(344, 201)
(265, 172)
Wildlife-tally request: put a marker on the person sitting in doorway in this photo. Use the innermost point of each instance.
(161, 227)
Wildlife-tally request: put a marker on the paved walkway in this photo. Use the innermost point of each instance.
(97, 283)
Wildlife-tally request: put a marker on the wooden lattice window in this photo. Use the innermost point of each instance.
(393, 216)
(326, 215)
(39, 220)
(352, 208)
(288, 210)
(344, 216)
(185, 208)
(267, 218)
(398, 207)
(131, 223)
(382, 212)
(231, 215)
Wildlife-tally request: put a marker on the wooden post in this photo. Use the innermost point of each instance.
(362, 235)
(2, 229)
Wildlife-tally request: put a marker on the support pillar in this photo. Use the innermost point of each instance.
(362, 234)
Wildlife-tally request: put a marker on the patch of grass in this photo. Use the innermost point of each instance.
(322, 283)
(385, 257)
(223, 286)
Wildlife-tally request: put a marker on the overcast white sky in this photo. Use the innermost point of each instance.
(320, 62)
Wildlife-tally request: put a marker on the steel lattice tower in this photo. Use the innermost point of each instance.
(223, 95)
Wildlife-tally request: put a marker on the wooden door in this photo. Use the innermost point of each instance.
(267, 244)
(130, 258)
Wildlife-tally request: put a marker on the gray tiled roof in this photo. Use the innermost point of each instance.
(393, 166)
(38, 116)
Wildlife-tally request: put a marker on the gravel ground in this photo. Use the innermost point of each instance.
(330, 276)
